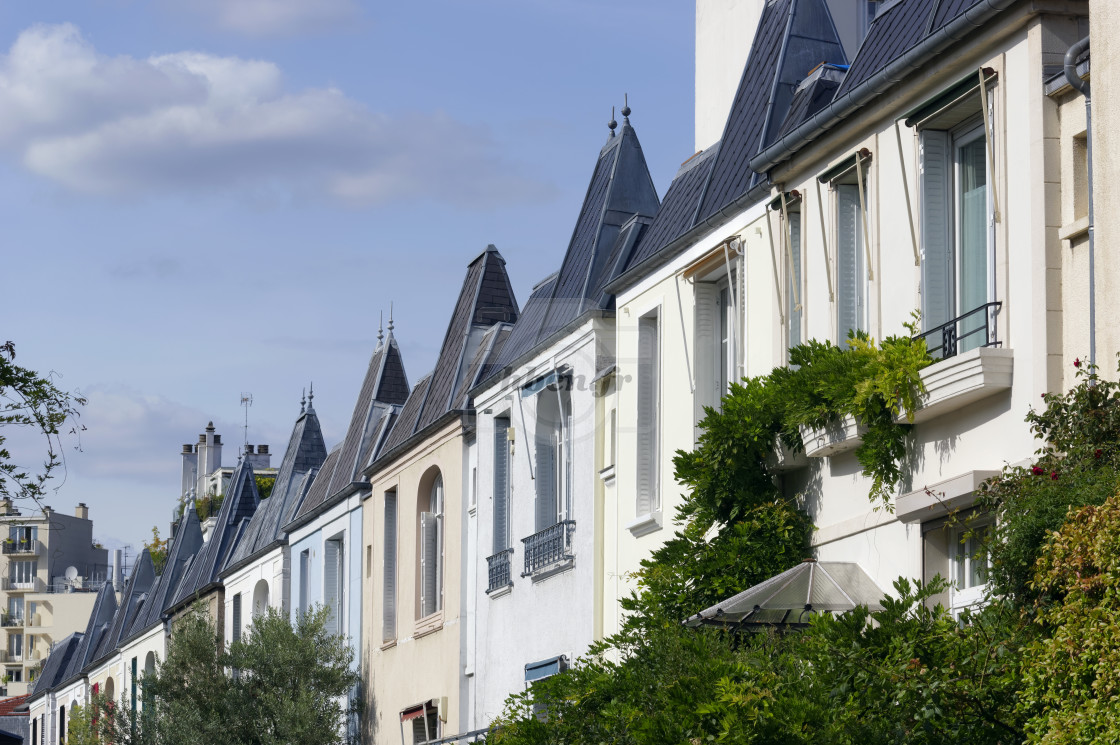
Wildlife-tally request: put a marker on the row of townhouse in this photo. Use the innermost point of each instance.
(475, 531)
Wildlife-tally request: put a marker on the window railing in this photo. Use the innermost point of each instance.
(550, 546)
(62, 585)
(498, 567)
(20, 584)
(976, 328)
(7, 620)
(28, 546)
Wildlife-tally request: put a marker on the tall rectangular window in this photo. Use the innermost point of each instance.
(235, 623)
(851, 254)
(501, 484)
(648, 389)
(389, 569)
(553, 454)
(795, 286)
(304, 579)
(715, 341)
(332, 583)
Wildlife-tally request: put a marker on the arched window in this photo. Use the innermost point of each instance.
(430, 525)
(260, 599)
(110, 690)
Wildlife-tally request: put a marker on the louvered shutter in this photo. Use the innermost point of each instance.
(330, 585)
(937, 258)
(795, 280)
(235, 624)
(429, 563)
(546, 477)
(707, 343)
(389, 586)
(501, 484)
(848, 248)
(648, 364)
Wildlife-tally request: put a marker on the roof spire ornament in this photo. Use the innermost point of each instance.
(612, 123)
(390, 319)
(310, 396)
(380, 324)
(626, 109)
(302, 400)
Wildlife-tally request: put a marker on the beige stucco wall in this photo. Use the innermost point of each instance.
(424, 662)
(1104, 22)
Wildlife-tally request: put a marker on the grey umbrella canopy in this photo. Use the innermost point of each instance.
(790, 598)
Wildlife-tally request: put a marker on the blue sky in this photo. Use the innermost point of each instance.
(205, 198)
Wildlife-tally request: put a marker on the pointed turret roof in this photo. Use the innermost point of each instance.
(135, 593)
(240, 503)
(304, 456)
(98, 626)
(486, 298)
(57, 664)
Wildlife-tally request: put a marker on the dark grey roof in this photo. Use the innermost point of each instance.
(793, 37)
(56, 664)
(485, 299)
(305, 454)
(98, 626)
(524, 335)
(132, 598)
(185, 545)
(489, 350)
(240, 503)
(678, 209)
(812, 95)
(319, 489)
(895, 30)
(620, 189)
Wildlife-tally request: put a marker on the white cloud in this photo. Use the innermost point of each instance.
(277, 17)
(191, 121)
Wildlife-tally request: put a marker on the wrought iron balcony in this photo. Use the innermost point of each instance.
(499, 570)
(976, 328)
(550, 546)
(14, 547)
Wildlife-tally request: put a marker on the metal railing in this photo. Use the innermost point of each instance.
(549, 546)
(7, 620)
(976, 328)
(498, 567)
(11, 584)
(30, 546)
(63, 585)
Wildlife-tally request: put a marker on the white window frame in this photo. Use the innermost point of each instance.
(962, 563)
(793, 230)
(861, 285)
(649, 391)
(431, 566)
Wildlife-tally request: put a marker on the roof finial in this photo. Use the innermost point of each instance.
(380, 319)
(390, 318)
(310, 396)
(612, 123)
(302, 400)
(626, 108)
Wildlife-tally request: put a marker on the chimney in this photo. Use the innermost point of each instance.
(82, 511)
(260, 459)
(190, 468)
(209, 457)
(5, 506)
(117, 572)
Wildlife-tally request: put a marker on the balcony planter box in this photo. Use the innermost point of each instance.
(833, 439)
(962, 380)
(783, 458)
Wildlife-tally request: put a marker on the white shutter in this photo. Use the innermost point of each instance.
(937, 259)
(429, 563)
(546, 478)
(389, 584)
(501, 484)
(648, 364)
(330, 585)
(793, 297)
(707, 342)
(848, 253)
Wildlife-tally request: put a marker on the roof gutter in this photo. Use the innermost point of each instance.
(666, 254)
(878, 84)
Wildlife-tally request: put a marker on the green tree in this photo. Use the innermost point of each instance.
(280, 684)
(84, 723)
(157, 549)
(32, 401)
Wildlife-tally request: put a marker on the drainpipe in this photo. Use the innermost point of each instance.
(1075, 80)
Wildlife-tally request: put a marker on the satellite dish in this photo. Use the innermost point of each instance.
(71, 573)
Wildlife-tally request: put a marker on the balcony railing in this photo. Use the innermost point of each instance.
(15, 547)
(11, 584)
(976, 328)
(499, 570)
(7, 620)
(550, 546)
(62, 585)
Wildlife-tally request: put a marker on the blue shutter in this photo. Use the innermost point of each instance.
(935, 206)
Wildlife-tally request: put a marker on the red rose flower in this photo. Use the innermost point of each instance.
(1077, 362)
(1037, 471)
(1054, 475)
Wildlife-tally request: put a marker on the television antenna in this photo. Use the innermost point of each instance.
(246, 402)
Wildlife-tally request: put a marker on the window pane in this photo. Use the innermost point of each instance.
(793, 314)
(972, 245)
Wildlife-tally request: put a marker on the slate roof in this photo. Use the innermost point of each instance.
(98, 626)
(56, 664)
(305, 455)
(486, 298)
(620, 189)
(793, 37)
(240, 503)
(135, 592)
(485, 359)
(895, 30)
(184, 548)
(812, 95)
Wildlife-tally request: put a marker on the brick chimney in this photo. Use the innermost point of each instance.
(81, 511)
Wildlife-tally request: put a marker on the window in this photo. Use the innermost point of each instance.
(15, 607)
(235, 623)
(132, 686)
(648, 388)
(15, 647)
(333, 576)
(62, 724)
(501, 484)
(969, 565)
(260, 598)
(538, 671)
(22, 573)
(304, 572)
(389, 570)
(795, 285)
(553, 454)
(851, 252)
(715, 342)
(424, 720)
(15, 674)
(431, 547)
(956, 250)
